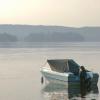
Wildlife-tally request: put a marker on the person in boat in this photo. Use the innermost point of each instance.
(85, 77)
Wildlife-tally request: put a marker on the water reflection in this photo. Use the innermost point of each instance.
(54, 91)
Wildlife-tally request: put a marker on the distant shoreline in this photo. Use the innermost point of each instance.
(41, 33)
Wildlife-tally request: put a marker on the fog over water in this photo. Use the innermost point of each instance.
(20, 69)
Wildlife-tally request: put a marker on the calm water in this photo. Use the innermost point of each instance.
(20, 70)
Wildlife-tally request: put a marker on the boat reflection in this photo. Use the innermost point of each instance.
(54, 91)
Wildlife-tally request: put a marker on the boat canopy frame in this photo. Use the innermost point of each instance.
(64, 65)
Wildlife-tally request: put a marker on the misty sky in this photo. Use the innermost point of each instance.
(50, 12)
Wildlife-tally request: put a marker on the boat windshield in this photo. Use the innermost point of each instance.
(64, 65)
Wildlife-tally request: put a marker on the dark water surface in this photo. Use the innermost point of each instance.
(20, 70)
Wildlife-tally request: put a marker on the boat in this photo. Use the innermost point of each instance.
(64, 71)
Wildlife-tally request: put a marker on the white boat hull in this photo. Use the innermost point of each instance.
(64, 78)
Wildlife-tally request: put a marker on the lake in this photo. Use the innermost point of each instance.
(20, 63)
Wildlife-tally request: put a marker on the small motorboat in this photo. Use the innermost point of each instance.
(64, 71)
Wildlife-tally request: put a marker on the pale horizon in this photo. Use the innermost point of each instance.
(68, 13)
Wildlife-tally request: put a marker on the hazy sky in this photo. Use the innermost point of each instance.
(50, 12)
